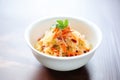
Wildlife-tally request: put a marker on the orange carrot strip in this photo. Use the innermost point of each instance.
(56, 32)
(63, 47)
(66, 30)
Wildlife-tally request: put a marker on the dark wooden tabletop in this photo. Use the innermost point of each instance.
(17, 61)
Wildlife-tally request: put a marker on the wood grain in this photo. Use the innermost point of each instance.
(16, 59)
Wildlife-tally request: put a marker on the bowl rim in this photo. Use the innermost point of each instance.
(98, 31)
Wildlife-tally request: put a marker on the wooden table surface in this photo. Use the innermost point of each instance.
(17, 61)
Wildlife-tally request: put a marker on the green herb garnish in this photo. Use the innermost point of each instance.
(61, 24)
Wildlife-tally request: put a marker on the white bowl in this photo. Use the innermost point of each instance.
(90, 30)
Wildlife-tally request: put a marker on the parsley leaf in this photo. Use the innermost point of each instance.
(61, 24)
(66, 23)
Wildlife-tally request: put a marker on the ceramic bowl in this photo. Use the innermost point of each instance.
(90, 30)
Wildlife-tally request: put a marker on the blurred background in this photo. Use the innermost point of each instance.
(16, 59)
